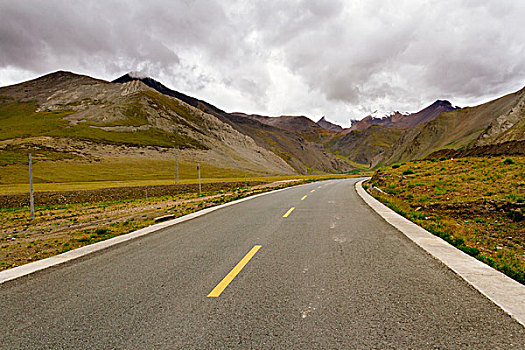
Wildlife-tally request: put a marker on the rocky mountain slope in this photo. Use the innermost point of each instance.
(70, 108)
(297, 140)
(373, 140)
(398, 120)
(487, 124)
(325, 124)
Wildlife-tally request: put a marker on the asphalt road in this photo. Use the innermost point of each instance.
(330, 275)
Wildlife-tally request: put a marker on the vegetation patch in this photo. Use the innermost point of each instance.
(475, 204)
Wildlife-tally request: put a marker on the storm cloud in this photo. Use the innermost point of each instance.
(341, 59)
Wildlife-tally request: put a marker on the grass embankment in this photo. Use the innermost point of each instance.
(60, 228)
(476, 204)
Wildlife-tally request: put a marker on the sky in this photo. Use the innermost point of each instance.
(338, 59)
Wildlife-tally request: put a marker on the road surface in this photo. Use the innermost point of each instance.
(328, 274)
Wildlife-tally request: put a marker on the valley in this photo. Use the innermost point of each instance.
(87, 134)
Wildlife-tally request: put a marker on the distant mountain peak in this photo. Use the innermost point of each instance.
(444, 103)
(138, 75)
(325, 124)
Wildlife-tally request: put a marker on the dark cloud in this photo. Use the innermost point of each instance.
(341, 59)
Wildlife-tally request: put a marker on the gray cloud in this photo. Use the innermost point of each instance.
(341, 59)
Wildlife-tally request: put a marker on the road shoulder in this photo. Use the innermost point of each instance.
(503, 291)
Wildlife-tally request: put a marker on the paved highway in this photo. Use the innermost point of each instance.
(327, 274)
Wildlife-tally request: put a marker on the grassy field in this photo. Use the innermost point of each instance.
(52, 175)
(60, 228)
(120, 172)
(476, 204)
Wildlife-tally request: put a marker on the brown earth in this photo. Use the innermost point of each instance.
(509, 148)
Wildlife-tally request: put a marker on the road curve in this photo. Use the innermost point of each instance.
(329, 274)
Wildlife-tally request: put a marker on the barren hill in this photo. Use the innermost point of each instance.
(68, 115)
(297, 140)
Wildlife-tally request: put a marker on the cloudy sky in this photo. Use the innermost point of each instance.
(341, 59)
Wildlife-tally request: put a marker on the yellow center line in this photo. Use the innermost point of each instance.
(303, 198)
(319, 186)
(288, 212)
(216, 292)
(312, 191)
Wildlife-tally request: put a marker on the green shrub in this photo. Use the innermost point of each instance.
(395, 166)
(101, 231)
(508, 161)
(443, 158)
(408, 172)
(515, 215)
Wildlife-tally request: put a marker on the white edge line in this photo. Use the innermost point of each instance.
(502, 290)
(27, 269)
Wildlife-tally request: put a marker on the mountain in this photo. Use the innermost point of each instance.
(488, 124)
(297, 140)
(368, 146)
(403, 120)
(325, 124)
(65, 115)
(388, 120)
(374, 139)
(426, 114)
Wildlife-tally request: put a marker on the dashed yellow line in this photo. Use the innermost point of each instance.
(303, 198)
(312, 191)
(288, 212)
(319, 186)
(216, 292)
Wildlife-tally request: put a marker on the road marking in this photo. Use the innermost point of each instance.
(312, 191)
(288, 212)
(319, 186)
(216, 292)
(303, 198)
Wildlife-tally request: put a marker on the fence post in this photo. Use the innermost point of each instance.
(31, 199)
(176, 167)
(199, 170)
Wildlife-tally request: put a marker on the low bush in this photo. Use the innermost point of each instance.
(101, 231)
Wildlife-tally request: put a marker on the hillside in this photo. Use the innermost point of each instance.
(372, 140)
(93, 129)
(297, 140)
(367, 146)
(489, 123)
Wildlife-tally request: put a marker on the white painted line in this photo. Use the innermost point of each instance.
(502, 290)
(30, 268)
